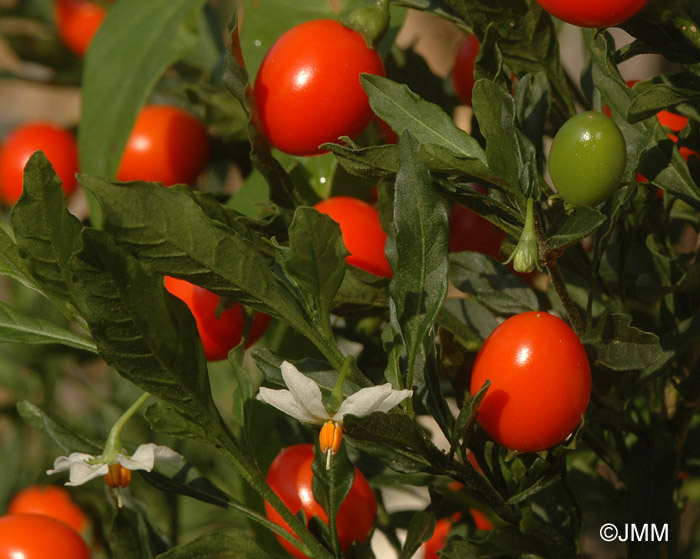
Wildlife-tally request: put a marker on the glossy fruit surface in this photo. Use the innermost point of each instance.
(587, 159)
(362, 232)
(49, 500)
(166, 145)
(36, 536)
(593, 13)
(220, 329)
(77, 22)
(308, 89)
(59, 147)
(290, 476)
(540, 382)
(463, 69)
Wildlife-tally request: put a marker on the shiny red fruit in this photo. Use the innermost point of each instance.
(220, 329)
(540, 382)
(308, 89)
(49, 500)
(59, 147)
(362, 232)
(36, 536)
(593, 13)
(77, 22)
(290, 476)
(166, 145)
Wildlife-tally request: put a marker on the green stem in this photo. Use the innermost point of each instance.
(114, 446)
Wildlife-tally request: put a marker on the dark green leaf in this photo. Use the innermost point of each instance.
(417, 251)
(420, 529)
(316, 260)
(402, 109)
(141, 330)
(185, 479)
(510, 153)
(580, 223)
(128, 536)
(137, 42)
(45, 232)
(491, 283)
(63, 435)
(169, 230)
(17, 327)
(397, 440)
(618, 345)
(227, 543)
(503, 542)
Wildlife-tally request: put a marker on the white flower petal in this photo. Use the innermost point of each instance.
(367, 400)
(81, 472)
(284, 401)
(63, 463)
(305, 391)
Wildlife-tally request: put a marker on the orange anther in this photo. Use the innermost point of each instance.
(118, 476)
(329, 438)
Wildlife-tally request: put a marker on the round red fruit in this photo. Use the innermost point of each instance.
(49, 500)
(362, 232)
(593, 13)
(166, 145)
(36, 536)
(77, 22)
(219, 329)
(540, 382)
(308, 89)
(59, 147)
(290, 476)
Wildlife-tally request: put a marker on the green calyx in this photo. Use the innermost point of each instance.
(372, 21)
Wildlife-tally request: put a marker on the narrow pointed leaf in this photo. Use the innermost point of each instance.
(17, 327)
(134, 46)
(45, 232)
(417, 250)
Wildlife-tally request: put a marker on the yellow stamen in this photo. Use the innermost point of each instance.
(329, 438)
(118, 476)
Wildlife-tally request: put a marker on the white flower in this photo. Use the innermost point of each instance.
(303, 400)
(84, 467)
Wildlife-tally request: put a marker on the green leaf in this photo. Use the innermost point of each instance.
(510, 153)
(659, 97)
(618, 345)
(141, 330)
(17, 327)
(127, 537)
(185, 479)
(135, 45)
(420, 529)
(316, 260)
(417, 251)
(244, 391)
(467, 416)
(580, 223)
(649, 150)
(396, 440)
(402, 109)
(491, 283)
(168, 229)
(228, 543)
(63, 435)
(332, 486)
(45, 232)
(500, 543)
(170, 420)
(526, 37)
